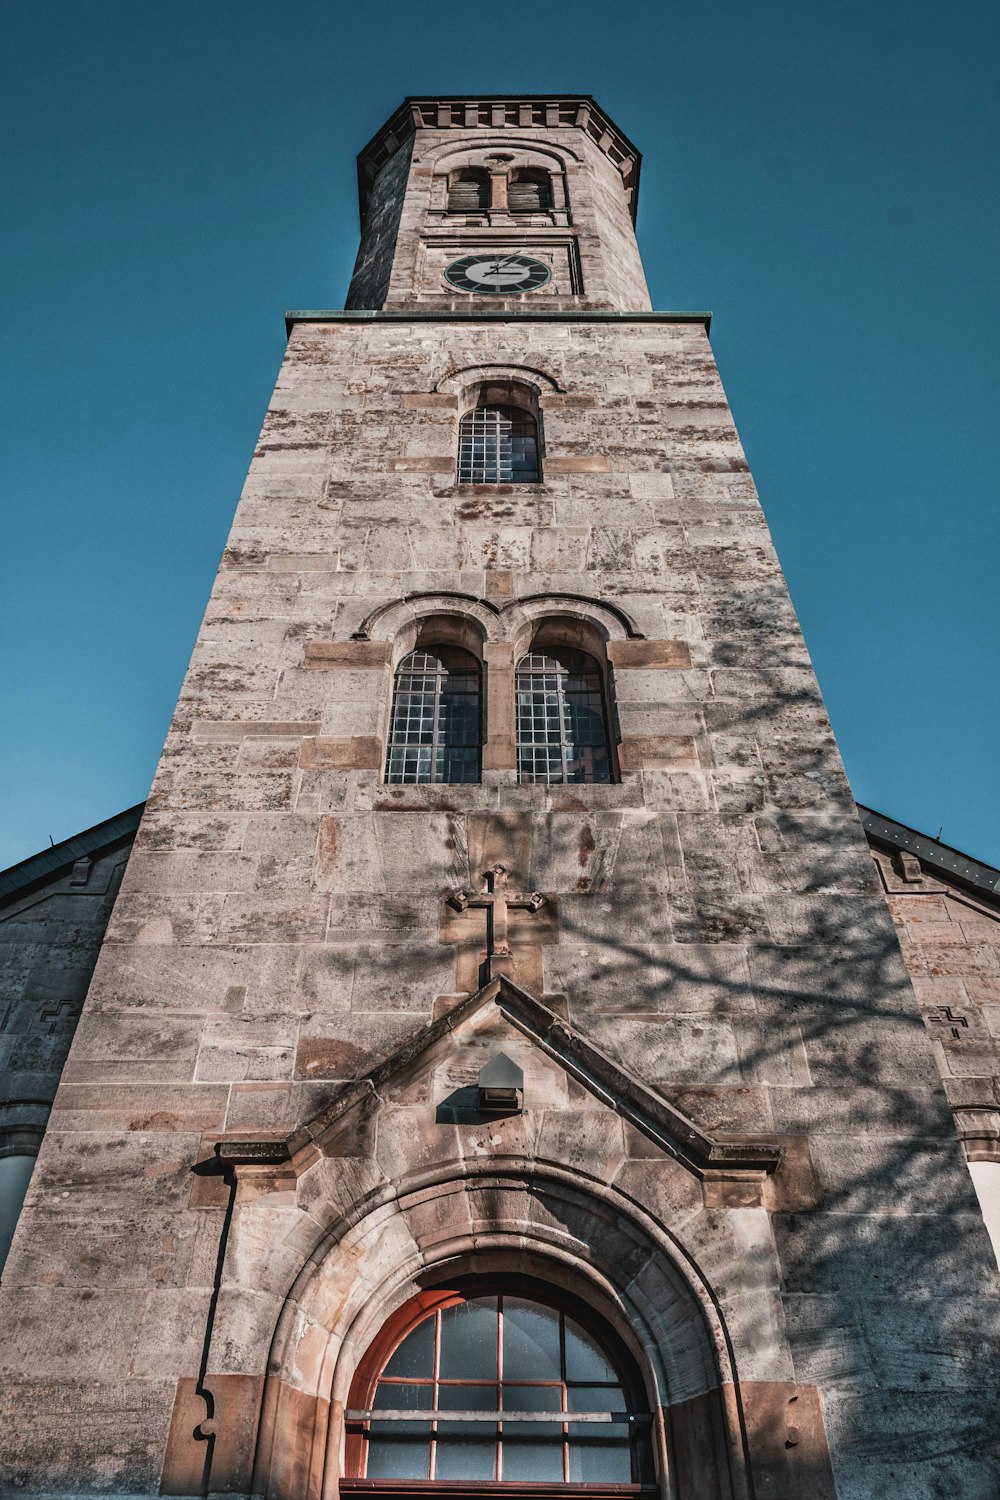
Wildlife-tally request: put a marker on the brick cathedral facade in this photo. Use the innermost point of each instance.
(500, 947)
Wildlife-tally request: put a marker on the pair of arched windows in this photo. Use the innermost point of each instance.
(436, 727)
(470, 191)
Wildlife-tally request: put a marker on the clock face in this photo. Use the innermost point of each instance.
(498, 274)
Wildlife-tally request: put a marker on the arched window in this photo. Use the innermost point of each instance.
(469, 191)
(498, 445)
(529, 190)
(436, 726)
(986, 1180)
(562, 723)
(15, 1174)
(497, 1385)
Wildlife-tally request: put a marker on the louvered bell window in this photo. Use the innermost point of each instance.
(562, 726)
(436, 726)
(469, 192)
(529, 192)
(498, 445)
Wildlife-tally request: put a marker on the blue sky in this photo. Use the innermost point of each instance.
(822, 177)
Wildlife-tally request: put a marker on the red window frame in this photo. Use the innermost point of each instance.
(414, 1312)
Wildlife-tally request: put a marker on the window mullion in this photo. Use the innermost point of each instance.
(563, 725)
(436, 724)
(435, 1395)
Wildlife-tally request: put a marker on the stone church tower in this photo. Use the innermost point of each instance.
(500, 1028)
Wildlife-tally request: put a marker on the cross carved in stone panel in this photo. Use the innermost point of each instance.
(944, 1015)
(57, 1011)
(497, 901)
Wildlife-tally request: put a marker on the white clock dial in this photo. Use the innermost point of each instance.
(498, 274)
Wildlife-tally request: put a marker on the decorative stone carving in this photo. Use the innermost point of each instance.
(495, 900)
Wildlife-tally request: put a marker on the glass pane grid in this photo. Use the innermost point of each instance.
(561, 724)
(435, 725)
(493, 1338)
(497, 445)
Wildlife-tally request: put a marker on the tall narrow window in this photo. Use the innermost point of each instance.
(562, 725)
(435, 732)
(498, 445)
(499, 1388)
(469, 191)
(15, 1174)
(529, 191)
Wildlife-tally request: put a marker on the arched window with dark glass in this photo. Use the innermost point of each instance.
(562, 721)
(529, 190)
(498, 445)
(494, 1386)
(15, 1174)
(469, 191)
(435, 731)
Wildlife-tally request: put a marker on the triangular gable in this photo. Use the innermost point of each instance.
(661, 1122)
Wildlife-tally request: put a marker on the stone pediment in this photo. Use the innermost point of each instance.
(559, 1047)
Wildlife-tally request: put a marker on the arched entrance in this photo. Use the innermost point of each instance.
(584, 1252)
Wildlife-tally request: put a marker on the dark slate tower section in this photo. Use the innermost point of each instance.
(724, 1140)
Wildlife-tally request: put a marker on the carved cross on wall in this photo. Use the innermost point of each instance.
(57, 1011)
(497, 902)
(944, 1015)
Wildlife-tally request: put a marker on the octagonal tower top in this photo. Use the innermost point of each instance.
(512, 203)
(493, 112)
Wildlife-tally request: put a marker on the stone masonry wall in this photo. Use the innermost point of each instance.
(373, 268)
(49, 941)
(396, 230)
(714, 922)
(950, 939)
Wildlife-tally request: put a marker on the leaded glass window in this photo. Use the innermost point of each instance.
(562, 729)
(498, 445)
(435, 730)
(504, 1365)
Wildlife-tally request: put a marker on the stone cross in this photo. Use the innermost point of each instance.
(497, 902)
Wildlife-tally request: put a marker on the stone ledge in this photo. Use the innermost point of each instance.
(666, 655)
(234, 730)
(421, 465)
(349, 753)
(348, 655)
(595, 463)
(418, 401)
(647, 752)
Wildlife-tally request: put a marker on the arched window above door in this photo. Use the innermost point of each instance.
(435, 731)
(489, 1385)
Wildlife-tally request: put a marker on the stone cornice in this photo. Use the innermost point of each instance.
(499, 112)
(453, 315)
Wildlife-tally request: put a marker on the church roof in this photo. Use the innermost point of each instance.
(499, 112)
(59, 858)
(941, 858)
